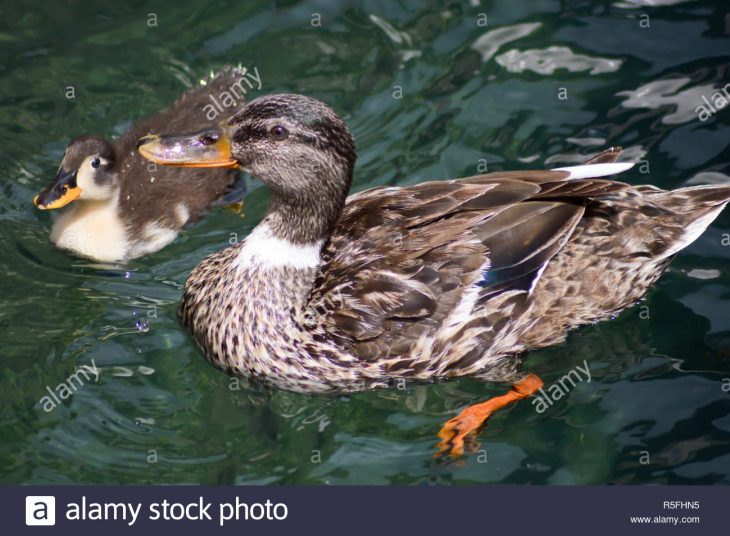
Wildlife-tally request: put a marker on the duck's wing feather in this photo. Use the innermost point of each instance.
(402, 260)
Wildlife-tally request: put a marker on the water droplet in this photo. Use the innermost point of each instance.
(142, 326)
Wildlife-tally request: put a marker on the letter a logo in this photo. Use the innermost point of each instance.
(40, 510)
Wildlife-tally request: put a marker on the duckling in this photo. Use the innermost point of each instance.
(125, 207)
(438, 280)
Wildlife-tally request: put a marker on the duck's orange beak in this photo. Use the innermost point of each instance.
(60, 192)
(209, 148)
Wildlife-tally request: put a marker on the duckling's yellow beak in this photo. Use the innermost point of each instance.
(209, 148)
(60, 193)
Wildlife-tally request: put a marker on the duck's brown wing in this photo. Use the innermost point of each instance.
(400, 260)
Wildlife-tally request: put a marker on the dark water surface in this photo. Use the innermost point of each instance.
(657, 407)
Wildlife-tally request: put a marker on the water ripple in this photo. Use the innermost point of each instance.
(547, 61)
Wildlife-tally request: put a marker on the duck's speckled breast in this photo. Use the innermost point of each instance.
(250, 321)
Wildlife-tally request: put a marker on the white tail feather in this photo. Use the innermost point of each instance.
(589, 171)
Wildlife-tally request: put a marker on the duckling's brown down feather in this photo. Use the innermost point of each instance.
(152, 193)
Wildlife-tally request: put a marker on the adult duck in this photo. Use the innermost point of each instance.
(126, 207)
(438, 280)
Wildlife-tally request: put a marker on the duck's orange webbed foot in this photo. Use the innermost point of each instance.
(459, 434)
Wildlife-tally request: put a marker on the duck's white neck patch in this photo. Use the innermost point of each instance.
(262, 248)
(591, 171)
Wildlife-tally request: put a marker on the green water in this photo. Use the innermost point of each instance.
(655, 410)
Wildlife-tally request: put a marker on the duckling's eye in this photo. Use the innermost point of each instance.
(95, 163)
(278, 132)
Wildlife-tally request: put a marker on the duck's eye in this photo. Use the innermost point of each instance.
(208, 139)
(95, 163)
(278, 132)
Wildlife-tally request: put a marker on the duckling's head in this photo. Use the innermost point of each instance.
(86, 173)
(295, 144)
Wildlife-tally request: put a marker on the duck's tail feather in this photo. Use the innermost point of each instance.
(695, 207)
(705, 195)
(608, 156)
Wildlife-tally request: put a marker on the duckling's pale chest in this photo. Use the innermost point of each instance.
(92, 229)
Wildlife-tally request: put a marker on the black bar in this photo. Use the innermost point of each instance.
(382, 510)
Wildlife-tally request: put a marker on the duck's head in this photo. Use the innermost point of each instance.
(86, 173)
(295, 144)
